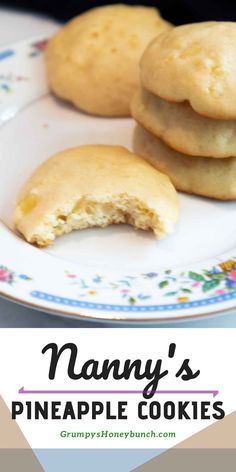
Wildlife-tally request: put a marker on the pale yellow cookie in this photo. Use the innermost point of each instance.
(214, 178)
(196, 63)
(182, 128)
(93, 61)
(94, 185)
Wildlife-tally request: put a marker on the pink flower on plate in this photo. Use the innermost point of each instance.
(232, 275)
(196, 284)
(40, 45)
(124, 290)
(5, 275)
(220, 291)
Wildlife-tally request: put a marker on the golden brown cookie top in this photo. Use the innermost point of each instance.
(84, 186)
(197, 63)
(93, 61)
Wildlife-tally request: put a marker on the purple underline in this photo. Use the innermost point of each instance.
(116, 392)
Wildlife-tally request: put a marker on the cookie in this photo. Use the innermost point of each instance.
(204, 176)
(196, 63)
(93, 61)
(94, 185)
(179, 126)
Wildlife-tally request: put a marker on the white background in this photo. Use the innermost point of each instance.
(23, 364)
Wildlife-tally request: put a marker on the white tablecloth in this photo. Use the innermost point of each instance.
(15, 26)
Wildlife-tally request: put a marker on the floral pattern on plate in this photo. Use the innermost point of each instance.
(8, 80)
(8, 276)
(182, 287)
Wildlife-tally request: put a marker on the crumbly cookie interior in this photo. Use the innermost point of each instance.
(87, 212)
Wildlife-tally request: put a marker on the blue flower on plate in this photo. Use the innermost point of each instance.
(143, 297)
(97, 279)
(213, 271)
(151, 275)
(24, 277)
(5, 54)
(230, 283)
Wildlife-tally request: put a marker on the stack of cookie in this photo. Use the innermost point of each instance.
(186, 108)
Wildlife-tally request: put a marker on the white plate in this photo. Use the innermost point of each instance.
(113, 273)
